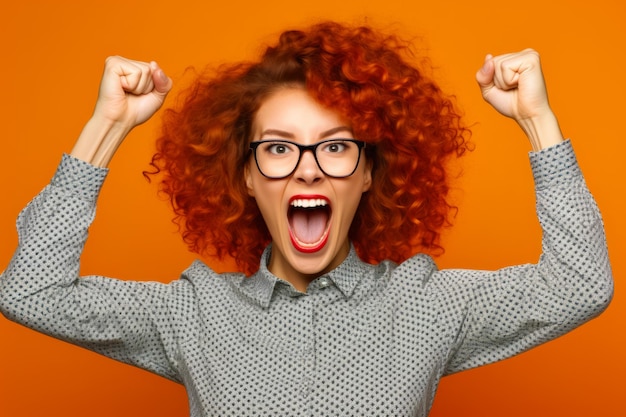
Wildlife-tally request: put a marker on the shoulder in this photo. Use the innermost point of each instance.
(413, 275)
(418, 267)
(200, 290)
(201, 276)
(421, 273)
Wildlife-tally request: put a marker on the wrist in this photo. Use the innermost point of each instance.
(99, 140)
(542, 131)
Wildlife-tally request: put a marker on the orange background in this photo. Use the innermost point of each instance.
(53, 53)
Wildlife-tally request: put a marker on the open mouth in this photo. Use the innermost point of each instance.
(309, 222)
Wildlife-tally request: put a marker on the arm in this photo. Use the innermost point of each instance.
(502, 313)
(41, 287)
(505, 312)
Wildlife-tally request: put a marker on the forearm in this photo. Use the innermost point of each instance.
(52, 231)
(42, 288)
(516, 308)
(575, 256)
(98, 141)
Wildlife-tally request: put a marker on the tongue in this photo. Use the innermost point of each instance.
(308, 225)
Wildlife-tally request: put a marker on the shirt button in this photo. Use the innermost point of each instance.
(324, 282)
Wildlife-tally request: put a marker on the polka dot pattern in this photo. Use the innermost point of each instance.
(363, 340)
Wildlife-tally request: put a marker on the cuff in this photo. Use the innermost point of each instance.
(556, 164)
(79, 177)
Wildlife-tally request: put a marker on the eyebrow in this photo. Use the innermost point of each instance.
(289, 135)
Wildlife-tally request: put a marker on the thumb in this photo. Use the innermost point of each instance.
(162, 83)
(484, 76)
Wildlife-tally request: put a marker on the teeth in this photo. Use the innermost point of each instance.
(309, 203)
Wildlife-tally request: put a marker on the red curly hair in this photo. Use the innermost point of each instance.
(366, 77)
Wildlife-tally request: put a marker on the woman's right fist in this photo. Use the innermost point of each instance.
(130, 91)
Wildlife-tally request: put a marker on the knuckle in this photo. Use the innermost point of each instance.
(533, 53)
(111, 59)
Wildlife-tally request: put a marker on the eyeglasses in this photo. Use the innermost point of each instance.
(337, 158)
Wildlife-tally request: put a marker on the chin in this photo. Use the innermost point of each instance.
(322, 261)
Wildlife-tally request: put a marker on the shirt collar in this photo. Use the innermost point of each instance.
(349, 273)
(263, 284)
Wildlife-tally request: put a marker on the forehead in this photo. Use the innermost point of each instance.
(293, 110)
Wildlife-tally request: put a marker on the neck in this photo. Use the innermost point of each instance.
(299, 275)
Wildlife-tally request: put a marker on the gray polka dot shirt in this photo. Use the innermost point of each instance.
(363, 340)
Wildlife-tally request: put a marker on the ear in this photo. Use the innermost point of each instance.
(367, 176)
(248, 176)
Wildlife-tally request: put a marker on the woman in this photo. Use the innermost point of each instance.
(321, 169)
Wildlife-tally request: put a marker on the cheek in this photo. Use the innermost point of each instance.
(267, 194)
(350, 202)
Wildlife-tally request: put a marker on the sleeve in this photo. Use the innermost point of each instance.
(505, 312)
(41, 287)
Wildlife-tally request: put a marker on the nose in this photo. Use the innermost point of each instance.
(308, 171)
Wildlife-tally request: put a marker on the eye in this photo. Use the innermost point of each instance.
(335, 147)
(277, 148)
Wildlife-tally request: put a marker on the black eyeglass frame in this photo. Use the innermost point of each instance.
(302, 148)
